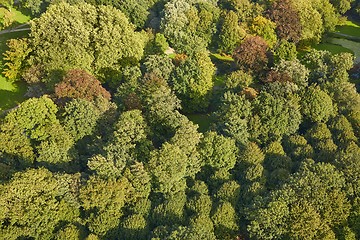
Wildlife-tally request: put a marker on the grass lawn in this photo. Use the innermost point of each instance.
(350, 28)
(333, 48)
(203, 120)
(11, 94)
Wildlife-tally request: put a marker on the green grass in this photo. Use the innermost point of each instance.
(333, 48)
(222, 57)
(172, 55)
(203, 120)
(350, 28)
(11, 94)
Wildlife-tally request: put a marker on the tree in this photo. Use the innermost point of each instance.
(298, 73)
(233, 116)
(231, 34)
(264, 28)
(189, 25)
(275, 116)
(316, 105)
(116, 43)
(102, 201)
(192, 81)
(96, 39)
(80, 118)
(35, 6)
(287, 19)
(37, 197)
(28, 125)
(160, 65)
(285, 51)
(64, 27)
(342, 6)
(218, 151)
(79, 84)
(321, 139)
(224, 218)
(238, 80)
(251, 54)
(120, 150)
(297, 210)
(19, 49)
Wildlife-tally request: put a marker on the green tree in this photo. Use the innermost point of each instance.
(321, 139)
(231, 34)
(80, 118)
(115, 41)
(218, 151)
(38, 198)
(64, 27)
(224, 218)
(232, 117)
(19, 49)
(27, 126)
(102, 201)
(285, 51)
(275, 116)
(130, 132)
(264, 28)
(192, 81)
(313, 203)
(316, 105)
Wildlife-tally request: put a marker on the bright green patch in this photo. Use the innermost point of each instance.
(222, 57)
(203, 120)
(171, 55)
(11, 94)
(333, 48)
(349, 28)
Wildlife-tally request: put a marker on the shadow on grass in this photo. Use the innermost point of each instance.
(349, 30)
(9, 99)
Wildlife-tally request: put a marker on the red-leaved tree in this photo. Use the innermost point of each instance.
(287, 20)
(252, 54)
(78, 83)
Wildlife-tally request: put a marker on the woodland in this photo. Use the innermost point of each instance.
(180, 119)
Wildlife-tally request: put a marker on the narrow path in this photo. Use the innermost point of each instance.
(16, 29)
(346, 36)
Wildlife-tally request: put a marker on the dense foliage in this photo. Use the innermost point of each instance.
(104, 146)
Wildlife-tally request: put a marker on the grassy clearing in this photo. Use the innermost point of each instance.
(333, 48)
(203, 120)
(349, 28)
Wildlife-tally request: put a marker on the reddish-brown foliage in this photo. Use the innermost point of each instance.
(252, 54)
(287, 20)
(80, 84)
(274, 76)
